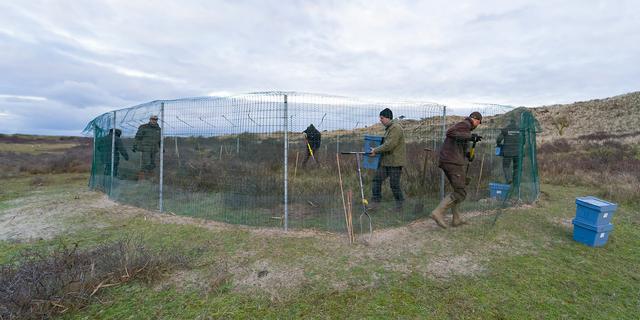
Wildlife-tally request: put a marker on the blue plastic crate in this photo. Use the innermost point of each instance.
(499, 190)
(593, 236)
(593, 211)
(370, 162)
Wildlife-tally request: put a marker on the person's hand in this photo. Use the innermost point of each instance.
(372, 152)
(476, 138)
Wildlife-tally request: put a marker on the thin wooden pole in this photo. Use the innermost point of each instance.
(295, 169)
(480, 175)
(344, 205)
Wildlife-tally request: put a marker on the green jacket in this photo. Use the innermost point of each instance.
(147, 138)
(393, 149)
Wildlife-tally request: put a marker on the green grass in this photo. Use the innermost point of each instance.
(530, 268)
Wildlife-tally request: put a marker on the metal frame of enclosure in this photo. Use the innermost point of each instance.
(244, 160)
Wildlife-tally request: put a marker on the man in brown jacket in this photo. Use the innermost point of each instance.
(394, 154)
(454, 159)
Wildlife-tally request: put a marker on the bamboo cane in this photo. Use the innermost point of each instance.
(295, 170)
(344, 205)
(352, 237)
(480, 175)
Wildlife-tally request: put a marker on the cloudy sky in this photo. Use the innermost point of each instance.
(64, 62)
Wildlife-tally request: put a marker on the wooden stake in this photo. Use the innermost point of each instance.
(344, 205)
(295, 170)
(480, 175)
(424, 168)
(221, 152)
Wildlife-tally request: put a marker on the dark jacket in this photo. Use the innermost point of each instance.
(313, 136)
(509, 139)
(147, 138)
(454, 148)
(104, 148)
(393, 149)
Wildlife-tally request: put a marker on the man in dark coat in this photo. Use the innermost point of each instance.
(509, 142)
(454, 159)
(147, 141)
(393, 153)
(312, 139)
(105, 147)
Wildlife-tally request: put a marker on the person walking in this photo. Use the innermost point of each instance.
(454, 159)
(147, 141)
(105, 149)
(393, 157)
(312, 139)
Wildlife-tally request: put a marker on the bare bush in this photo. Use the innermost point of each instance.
(611, 166)
(73, 160)
(37, 286)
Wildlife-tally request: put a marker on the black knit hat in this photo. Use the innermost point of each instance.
(387, 113)
(476, 115)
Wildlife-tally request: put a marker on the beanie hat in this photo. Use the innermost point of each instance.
(387, 113)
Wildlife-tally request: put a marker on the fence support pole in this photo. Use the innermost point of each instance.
(161, 195)
(444, 136)
(113, 152)
(286, 164)
(92, 180)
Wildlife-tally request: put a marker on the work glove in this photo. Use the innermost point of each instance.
(475, 138)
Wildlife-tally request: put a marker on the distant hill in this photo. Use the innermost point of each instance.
(617, 116)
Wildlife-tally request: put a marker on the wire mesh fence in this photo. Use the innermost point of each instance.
(287, 159)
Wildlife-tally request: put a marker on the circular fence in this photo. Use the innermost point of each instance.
(290, 160)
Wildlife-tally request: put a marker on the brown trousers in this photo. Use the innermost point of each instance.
(456, 175)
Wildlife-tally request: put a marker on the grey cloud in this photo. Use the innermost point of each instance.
(89, 56)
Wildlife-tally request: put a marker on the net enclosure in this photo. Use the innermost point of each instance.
(288, 159)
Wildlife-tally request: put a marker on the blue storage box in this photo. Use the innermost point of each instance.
(499, 190)
(593, 211)
(593, 236)
(368, 161)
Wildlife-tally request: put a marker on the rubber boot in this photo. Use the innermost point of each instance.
(457, 220)
(438, 213)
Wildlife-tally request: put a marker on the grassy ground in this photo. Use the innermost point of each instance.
(526, 267)
(35, 148)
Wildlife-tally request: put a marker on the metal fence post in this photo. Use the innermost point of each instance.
(286, 164)
(92, 180)
(160, 200)
(113, 152)
(444, 136)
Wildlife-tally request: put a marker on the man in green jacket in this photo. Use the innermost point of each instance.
(393, 157)
(147, 141)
